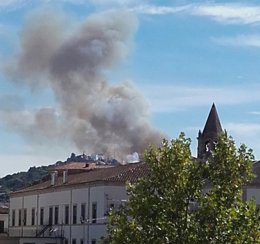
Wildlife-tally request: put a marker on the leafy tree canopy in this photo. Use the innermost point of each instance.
(183, 200)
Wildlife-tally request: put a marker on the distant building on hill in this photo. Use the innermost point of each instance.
(83, 158)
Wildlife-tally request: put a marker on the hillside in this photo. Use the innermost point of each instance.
(20, 180)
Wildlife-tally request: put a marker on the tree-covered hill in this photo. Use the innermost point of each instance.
(20, 180)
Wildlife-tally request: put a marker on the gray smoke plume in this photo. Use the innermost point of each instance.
(92, 113)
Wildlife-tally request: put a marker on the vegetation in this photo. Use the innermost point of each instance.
(20, 180)
(186, 201)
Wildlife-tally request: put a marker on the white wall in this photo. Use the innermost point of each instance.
(52, 199)
(253, 193)
(4, 217)
(38, 241)
(102, 195)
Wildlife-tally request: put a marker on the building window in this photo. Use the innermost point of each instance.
(2, 226)
(13, 218)
(33, 216)
(93, 241)
(56, 215)
(66, 214)
(20, 217)
(66, 241)
(81, 241)
(74, 241)
(41, 216)
(25, 217)
(94, 212)
(74, 214)
(50, 215)
(83, 213)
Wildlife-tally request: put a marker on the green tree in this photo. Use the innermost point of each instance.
(183, 200)
(222, 215)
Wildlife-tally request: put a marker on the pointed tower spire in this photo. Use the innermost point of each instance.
(212, 125)
(210, 133)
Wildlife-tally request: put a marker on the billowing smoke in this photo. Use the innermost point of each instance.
(95, 115)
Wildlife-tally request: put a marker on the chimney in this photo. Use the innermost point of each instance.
(54, 177)
(65, 176)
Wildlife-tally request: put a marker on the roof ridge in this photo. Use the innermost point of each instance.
(117, 174)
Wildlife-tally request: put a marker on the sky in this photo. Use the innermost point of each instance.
(154, 66)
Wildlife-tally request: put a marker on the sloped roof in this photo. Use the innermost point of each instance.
(212, 125)
(121, 173)
(131, 175)
(116, 174)
(78, 166)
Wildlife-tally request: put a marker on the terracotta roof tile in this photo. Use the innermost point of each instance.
(131, 175)
(121, 173)
(78, 166)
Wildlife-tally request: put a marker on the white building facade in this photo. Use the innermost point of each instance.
(69, 211)
(3, 220)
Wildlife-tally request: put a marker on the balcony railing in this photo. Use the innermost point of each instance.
(51, 231)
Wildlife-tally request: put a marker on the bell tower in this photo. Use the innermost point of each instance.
(208, 137)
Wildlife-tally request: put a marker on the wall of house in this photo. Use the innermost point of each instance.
(4, 217)
(7, 240)
(253, 193)
(39, 241)
(88, 229)
(114, 195)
